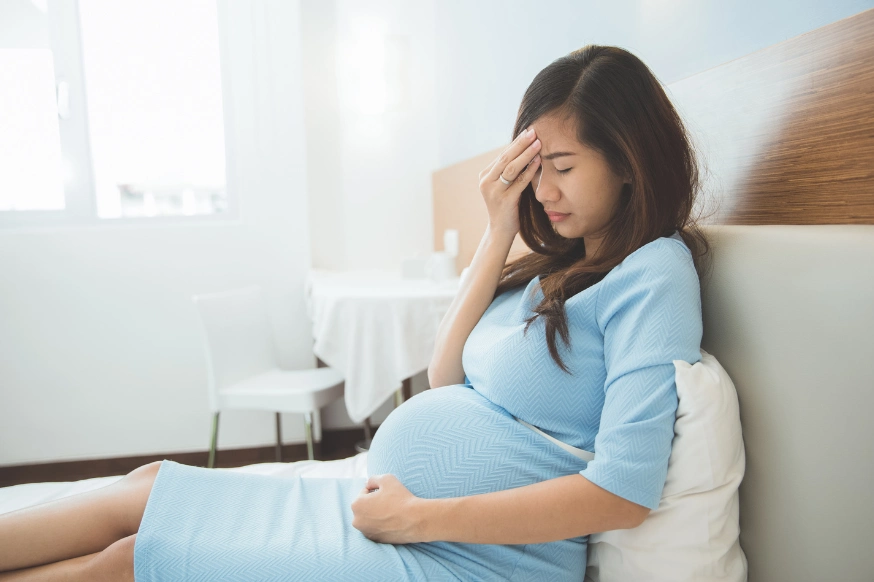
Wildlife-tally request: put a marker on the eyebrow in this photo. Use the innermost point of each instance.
(554, 155)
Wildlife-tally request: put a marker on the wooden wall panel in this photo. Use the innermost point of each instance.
(787, 132)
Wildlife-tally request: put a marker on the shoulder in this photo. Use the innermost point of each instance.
(664, 253)
(663, 259)
(661, 271)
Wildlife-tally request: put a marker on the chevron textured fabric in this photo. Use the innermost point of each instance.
(619, 401)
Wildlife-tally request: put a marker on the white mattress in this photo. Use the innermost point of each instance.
(19, 496)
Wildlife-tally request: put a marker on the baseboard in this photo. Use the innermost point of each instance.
(335, 444)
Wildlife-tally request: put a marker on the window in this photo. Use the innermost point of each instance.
(30, 146)
(111, 110)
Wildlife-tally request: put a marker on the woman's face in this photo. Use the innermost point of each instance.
(574, 180)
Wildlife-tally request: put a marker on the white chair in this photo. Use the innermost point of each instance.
(243, 371)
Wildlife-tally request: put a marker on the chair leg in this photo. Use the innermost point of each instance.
(278, 438)
(368, 432)
(308, 427)
(213, 442)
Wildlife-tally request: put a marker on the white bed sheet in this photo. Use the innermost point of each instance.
(20, 496)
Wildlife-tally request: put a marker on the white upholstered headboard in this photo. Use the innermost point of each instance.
(789, 312)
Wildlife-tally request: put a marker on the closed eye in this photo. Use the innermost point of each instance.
(563, 171)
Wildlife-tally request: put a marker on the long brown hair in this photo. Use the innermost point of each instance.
(621, 111)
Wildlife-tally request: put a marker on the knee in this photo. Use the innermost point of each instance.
(115, 563)
(136, 487)
(145, 473)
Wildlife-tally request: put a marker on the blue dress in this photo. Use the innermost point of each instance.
(619, 401)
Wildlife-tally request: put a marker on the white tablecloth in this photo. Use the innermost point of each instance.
(375, 328)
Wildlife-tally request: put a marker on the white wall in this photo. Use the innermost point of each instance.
(388, 158)
(99, 348)
(488, 51)
(322, 116)
(369, 174)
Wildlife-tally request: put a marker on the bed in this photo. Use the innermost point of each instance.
(787, 134)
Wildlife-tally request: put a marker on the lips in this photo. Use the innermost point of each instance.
(556, 216)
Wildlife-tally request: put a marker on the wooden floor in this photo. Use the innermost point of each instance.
(335, 444)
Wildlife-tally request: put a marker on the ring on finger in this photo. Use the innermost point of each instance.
(504, 180)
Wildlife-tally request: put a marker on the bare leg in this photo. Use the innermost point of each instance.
(77, 525)
(115, 564)
(72, 569)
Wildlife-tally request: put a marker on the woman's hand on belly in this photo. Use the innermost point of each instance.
(385, 511)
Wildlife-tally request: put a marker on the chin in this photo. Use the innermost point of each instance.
(566, 230)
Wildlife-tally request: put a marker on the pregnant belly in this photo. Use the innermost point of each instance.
(452, 441)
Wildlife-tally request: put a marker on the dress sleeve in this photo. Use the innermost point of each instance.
(650, 315)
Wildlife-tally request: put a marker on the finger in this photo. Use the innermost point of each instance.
(519, 145)
(523, 139)
(491, 165)
(517, 168)
(487, 169)
(528, 174)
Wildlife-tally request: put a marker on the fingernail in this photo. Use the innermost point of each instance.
(528, 132)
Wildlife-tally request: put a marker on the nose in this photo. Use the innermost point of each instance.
(545, 190)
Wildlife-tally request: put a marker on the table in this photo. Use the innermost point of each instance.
(376, 328)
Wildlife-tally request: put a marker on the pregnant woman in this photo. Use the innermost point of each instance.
(553, 401)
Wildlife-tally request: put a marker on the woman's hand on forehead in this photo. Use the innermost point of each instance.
(502, 181)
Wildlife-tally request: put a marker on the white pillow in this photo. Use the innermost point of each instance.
(694, 532)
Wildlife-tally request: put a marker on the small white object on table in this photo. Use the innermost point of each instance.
(376, 328)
